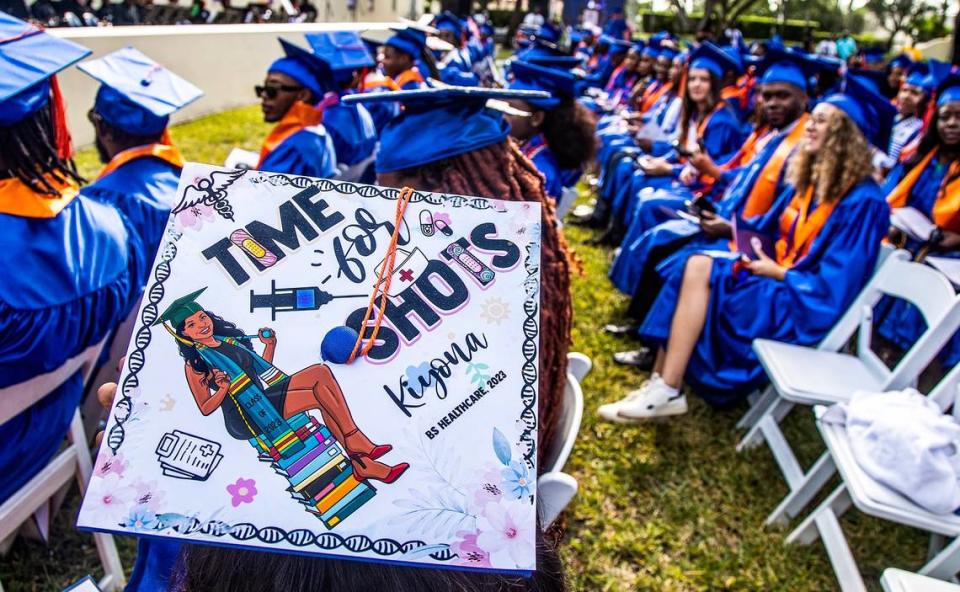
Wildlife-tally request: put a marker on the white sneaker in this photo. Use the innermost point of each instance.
(610, 411)
(652, 400)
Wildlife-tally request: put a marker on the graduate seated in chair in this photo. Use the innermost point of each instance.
(298, 144)
(130, 116)
(478, 158)
(711, 310)
(65, 282)
(557, 133)
(455, 66)
(400, 55)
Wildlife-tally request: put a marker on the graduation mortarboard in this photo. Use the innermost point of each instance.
(458, 116)
(180, 309)
(137, 95)
(877, 79)
(28, 58)
(949, 89)
(901, 61)
(343, 51)
(616, 46)
(447, 21)
(924, 76)
(558, 83)
(787, 67)
(869, 110)
(409, 40)
(304, 67)
(487, 29)
(548, 32)
(556, 62)
(708, 56)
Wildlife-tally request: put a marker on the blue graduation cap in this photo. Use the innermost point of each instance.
(28, 58)
(787, 67)
(447, 21)
(869, 110)
(949, 89)
(708, 56)
(902, 61)
(343, 51)
(304, 67)
(548, 32)
(927, 75)
(668, 52)
(561, 85)
(877, 79)
(616, 46)
(409, 40)
(137, 95)
(556, 62)
(487, 29)
(457, 119)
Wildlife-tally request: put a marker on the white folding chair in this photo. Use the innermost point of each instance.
(579, 365)
(897, 580)
(825, 375)
(555, 488)
(74, 462)
(875, 499)
(567, 197)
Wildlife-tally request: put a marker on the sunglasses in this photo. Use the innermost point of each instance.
(272, 91)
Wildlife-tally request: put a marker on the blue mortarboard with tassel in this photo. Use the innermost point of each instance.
(28, 58)
(782, 66)
(869, 110)
(409, 40)
(708, 56)
(457, 115)
(137, 95)
(561, 85)
(343, 51)
(305, 67)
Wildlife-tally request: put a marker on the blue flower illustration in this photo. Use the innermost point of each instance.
(141, 518)
(517, 482)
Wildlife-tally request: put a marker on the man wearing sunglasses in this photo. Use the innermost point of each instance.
(298, 144)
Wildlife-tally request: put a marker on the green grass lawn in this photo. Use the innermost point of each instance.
(664, 506)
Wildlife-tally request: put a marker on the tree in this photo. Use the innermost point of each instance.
(898, 16)
(720, 13)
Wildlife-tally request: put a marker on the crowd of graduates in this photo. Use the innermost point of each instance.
(748, 192)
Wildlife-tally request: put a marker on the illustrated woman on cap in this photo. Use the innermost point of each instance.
(220, 360)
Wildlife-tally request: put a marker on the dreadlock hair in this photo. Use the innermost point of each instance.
(221, 328)
(570, 130)
(28, 151)
(501, 171)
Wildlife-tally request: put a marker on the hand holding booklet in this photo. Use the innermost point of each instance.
(744, 238)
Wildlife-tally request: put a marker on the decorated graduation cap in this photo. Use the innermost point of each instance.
(788, 67)
(137, 95)
(28, 59)
(457, 115)
(708, 56)
(343, 51)
(181, 309)
(561, 85)
(447, 21)
(304, 67)
(869, 110)
(408, 40)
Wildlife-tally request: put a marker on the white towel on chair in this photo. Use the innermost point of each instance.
(904, 441)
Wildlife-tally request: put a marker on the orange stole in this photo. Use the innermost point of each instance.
(411, 75)
(164, 152)
(764, 188)
(18, 199)
(799, 228)
(946, 209)
(300, 116)
(651, 96)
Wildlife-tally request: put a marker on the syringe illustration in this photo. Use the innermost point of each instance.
(293, 299)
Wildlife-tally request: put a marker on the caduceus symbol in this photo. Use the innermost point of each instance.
(211, 191)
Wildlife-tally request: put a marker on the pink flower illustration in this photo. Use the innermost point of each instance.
(508, 531)
(148, 495)
(468, 552)
(194, 216)
(109, 464)
(489, 491)
(109, 497)
(242, 492)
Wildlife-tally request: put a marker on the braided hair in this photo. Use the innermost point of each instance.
(28, 152)
(501, 171)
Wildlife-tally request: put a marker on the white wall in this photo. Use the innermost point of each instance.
(226, 61)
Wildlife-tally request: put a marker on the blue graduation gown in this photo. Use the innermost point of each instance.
(899, 322)
(352, 131)
(308, 152)
(801, 309)
(65, 285)
(143, 191)
(537, 151)
(630, 262)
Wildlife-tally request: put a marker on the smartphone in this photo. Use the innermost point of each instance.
(703, 204)
(682, 151)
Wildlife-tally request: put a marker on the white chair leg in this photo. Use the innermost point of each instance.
(113, 578)
(798, 498)
(836, 504)
(757, 408)
(946, 564)
(775, 411)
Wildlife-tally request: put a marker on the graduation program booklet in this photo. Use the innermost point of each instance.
(239, 420)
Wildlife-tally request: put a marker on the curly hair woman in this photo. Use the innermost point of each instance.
(468, 152)
(557, 133)
(711, 310)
